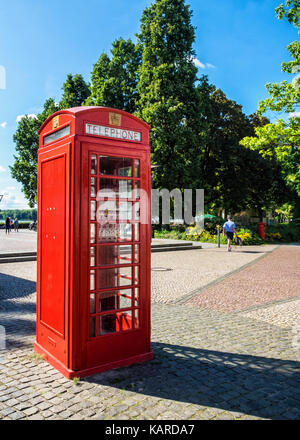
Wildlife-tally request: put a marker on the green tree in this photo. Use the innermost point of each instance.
(114, 80)
(75, 92)
(168, 100)
(280, 141)
(26, 138)
(234, 177)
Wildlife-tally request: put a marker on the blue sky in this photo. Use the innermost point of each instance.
(240, 45)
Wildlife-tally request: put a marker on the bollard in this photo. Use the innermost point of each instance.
(218, 235)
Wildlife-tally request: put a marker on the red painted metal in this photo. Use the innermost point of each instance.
(93, 280)
(261, 230)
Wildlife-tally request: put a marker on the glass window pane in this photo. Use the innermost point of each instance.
(92, 280)
(92, 303)
(136, 320)
(136, 194)
(137, 232)
(93, 187)
(114, 255)
(115, 166)
(107, 278)
(125, 276)
(92, 255)
(115, 188)
(125, 299)
(137, 211)
(125, 256)
(94, 164)
(107, 324)
(125, 211)
(124, 321)
(118, 299)
(115, 233)
(137, 168)
(107, 211)
(115, 322)
(93, 210)
(107, 301)
(125, 233)
(114, 277)
(137, 297)
(108, 255)
(137, 253)
(92, 232)
(136, 274)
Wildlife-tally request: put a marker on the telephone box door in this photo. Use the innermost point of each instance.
(115, 240)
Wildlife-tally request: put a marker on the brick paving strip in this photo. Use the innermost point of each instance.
(274, 277)
(209, 364)
(187, 272)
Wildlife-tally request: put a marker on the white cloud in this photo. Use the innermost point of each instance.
(294, 115)
(198, 63)
(2, 169)
(3, 124)
(201, 65)
(32, 116)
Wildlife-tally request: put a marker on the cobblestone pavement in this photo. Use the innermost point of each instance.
(285, 314)
(208, 364)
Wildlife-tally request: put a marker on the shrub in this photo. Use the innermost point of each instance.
(287, 232)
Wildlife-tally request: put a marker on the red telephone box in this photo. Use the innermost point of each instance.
(94, 241)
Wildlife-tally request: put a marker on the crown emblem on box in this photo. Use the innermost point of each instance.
(115, 119)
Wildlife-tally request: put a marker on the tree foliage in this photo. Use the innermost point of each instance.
(280, 141)
(75, 92)
(26, 137)
(234, 177)
(168, 98)
(114, 80)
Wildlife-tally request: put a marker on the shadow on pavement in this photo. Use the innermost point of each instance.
(254, 385)
(14, 287)
(248, 252)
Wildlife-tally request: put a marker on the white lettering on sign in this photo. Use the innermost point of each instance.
(118, 133)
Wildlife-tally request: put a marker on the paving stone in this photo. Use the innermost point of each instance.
(17, 415)
(30, 411)
(6, 412)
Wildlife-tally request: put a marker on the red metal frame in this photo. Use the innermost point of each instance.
(76, 351)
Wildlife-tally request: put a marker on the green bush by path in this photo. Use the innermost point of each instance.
(284, 232)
